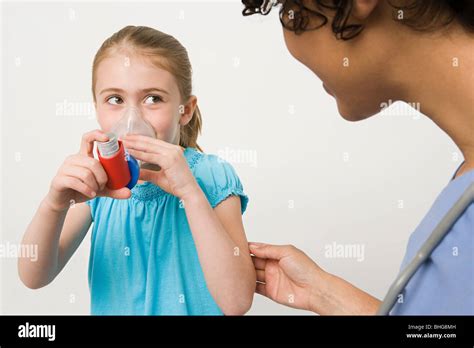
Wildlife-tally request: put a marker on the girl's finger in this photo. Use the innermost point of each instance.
(87, 141)
(148, 140)
(260, 275)
(148, 157)
(260, 289)
(259, 263)
(145, 147)
(77, 185)
(82, 173)
(93, 165)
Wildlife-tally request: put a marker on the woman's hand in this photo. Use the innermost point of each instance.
(175, 177)
(81, 177)
(288, 276)
(285, 274)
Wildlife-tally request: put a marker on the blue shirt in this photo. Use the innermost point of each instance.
(444, 284)
(143, 260)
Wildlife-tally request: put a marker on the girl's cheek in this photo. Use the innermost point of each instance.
(106, 121)
(162, 120)
(166, 128)
(163, 128)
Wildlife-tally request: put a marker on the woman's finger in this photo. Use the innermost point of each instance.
(269, 251)
(260, 289)
(260, 275)
(259, 263)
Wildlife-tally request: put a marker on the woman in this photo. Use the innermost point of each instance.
(368, 52)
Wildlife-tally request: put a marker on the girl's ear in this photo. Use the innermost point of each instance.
(362, 9)
(187, 110)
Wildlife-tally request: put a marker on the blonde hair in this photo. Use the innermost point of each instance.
(167, 53)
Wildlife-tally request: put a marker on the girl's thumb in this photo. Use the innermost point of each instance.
(147, 175)
(122, 193)
(158, 178)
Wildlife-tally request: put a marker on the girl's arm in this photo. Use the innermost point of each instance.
(57, 235)
(61, 221)
(223, 250)
(218, 233)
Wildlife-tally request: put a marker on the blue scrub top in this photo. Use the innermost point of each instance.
(143, 259)
(444, 284)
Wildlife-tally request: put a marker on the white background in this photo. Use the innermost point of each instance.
(317, 179)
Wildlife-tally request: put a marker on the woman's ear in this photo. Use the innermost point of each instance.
(187, 110)
(362, 9)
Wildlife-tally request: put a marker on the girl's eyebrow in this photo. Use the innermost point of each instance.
(118, 90)
(146, 90)
(152, 89)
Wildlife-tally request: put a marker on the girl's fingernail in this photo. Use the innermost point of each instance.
(93, 194)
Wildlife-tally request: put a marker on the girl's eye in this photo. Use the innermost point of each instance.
(153, 99)
(114, 100)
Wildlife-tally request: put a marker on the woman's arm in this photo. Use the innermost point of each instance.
(334, 295)
(288, 276)
(223, 250)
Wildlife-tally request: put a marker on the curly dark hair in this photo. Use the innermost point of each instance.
(421, 15)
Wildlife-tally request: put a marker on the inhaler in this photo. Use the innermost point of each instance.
(123, 169)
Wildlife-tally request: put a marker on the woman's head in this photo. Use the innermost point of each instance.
(144, 68)
(364, 50)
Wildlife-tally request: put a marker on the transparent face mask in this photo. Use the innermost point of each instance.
(132, 122)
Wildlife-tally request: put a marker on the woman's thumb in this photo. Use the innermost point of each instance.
(268, 251)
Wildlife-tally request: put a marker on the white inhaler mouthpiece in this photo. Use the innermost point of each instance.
(132, 122)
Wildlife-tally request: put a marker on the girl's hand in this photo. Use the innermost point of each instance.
(81, 177)
(175, 177)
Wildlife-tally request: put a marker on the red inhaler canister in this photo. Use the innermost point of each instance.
(113, 158)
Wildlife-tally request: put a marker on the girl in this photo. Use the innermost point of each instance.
(175, 243)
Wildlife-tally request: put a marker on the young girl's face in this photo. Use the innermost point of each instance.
(133, 81)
